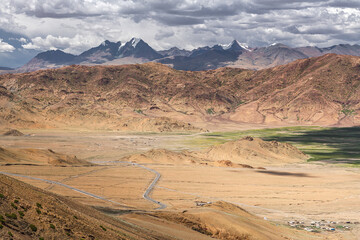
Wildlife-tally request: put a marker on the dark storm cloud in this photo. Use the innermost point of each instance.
(178, 20)
(346, 37)
(164, 34)
(326, 30)
(42, 14)
(220, 11)
(342, 4)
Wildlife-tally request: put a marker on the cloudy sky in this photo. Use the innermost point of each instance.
(30, 26)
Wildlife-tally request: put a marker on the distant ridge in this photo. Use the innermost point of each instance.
(234, 54)
(6, 68)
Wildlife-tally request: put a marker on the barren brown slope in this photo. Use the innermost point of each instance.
(38, 157)
(31, 213)
(222, 220)
(254, 152)
(247, 152)
(322, 90)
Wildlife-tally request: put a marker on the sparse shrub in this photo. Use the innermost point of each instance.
(139, 111)
(2, 196)
(103, 228)
(14, 206)
(11, 215)
(348, 112)
(25, 208)
(75, 217)
(33, 227)
(38, 205)
(16, 201)
(21, 213)
(237, 104)
(10, 234)
(38, 211)
(2, 220)
(68, 234)
(41, 238)
(1, 226)
(210, 111)
(52, 226)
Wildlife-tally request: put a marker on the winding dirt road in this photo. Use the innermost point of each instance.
(145, 195)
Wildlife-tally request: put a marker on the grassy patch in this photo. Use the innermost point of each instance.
(210, 111)
(14, 206)
(332, 145)
(33, 227)
(21, 213)
(11, 215)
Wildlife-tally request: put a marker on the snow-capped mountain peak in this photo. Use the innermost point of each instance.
(135, 41)
(273, 44)
(121, 45)
(105, 43)
(233, 44)
(244, 46)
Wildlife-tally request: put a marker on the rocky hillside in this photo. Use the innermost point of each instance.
(14, 156)
(27, 212)
(322, 90)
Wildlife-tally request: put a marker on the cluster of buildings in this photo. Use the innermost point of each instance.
(323, 225)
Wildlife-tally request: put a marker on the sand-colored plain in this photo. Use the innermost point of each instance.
(284, 193)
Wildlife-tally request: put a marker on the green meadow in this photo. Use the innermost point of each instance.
(331, 145)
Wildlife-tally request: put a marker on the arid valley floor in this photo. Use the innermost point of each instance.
(145, 151)
(302, 192)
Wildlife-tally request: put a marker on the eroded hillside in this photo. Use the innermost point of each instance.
(322, 91)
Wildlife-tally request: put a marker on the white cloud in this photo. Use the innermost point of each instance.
(76, 25)
(5, 47)
(72, 45)
(22, 40)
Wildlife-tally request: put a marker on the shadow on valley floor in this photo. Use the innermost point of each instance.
(277, 173)
(331, 145)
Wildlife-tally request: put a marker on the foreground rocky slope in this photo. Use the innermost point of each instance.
(27, 212)
(322, 91)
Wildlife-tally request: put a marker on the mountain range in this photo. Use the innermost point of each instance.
(153, 97)
(234, 54)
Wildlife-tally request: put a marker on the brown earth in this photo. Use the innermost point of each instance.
(305, 191)
(13, 132)
(164, 156)
(222, 220)
(316, 91)
(254, 152)
(160, 124)
(38, 157)
(246, 152)
(28, 212)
